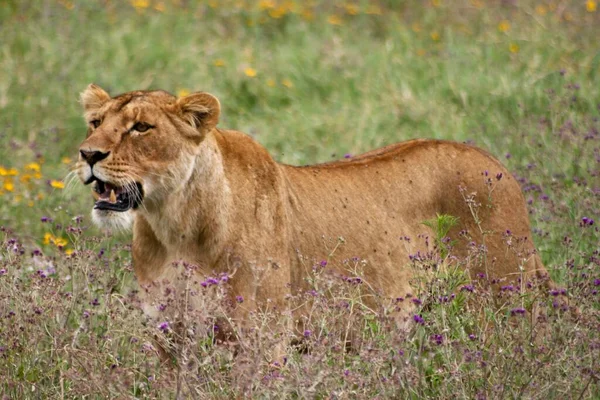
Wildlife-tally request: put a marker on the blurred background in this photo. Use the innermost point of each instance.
(310, 80)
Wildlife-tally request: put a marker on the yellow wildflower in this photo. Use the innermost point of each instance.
(25, 178)
(160, 6)
(334, 20)
(351, 9)
(33, 167)
(30, 203)
(213, 4)
(251, 72)
(69, 251)
(504, 26)
(541, 9)
(183, 93)
(140, 4)
(270, 82)
(37, 175)
(219, 62)
(435, 36)
(266, 4)
(40, 196)
(66, 160)
(436, 3)
(277, 12)
(591, 5)
(8, 172)
(287, 83)
(513, 47)
(8, 186)
(47, 237)
(57, 184)
(60, 242)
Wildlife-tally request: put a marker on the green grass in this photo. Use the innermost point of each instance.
(519, 79)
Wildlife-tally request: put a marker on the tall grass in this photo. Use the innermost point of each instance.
(311, 82)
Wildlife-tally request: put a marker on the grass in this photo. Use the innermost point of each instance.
(311, 83)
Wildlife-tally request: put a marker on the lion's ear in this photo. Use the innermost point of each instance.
(93, 97)
(201, 110)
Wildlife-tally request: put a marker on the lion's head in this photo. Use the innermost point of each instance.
(140, 146)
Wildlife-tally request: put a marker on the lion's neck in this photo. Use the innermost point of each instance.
(196, 214)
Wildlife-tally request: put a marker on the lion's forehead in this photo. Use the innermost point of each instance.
(136, 108)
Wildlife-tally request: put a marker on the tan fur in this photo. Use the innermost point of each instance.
(216, 198)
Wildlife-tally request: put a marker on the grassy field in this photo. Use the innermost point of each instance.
(311, 81)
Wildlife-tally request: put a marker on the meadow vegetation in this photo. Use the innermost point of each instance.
(312, 81)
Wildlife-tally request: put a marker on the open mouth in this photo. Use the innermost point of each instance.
(115, 198)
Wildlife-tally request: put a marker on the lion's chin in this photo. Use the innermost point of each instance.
(113, 221)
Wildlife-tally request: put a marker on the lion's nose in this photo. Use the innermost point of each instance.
(92, 157)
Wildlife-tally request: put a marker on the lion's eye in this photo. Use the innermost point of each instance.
(95, 123)
(141, 127)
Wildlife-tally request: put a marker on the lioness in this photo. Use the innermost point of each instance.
(217, 199)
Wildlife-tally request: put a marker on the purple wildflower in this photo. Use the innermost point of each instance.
(239, 299)
(585, 221)
(517, 311)
(467, 288)
(418, 319)
(347, 155)
(307, 333)
(164, 326)
(437, 339)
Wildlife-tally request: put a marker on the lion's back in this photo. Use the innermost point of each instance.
(379, 200)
